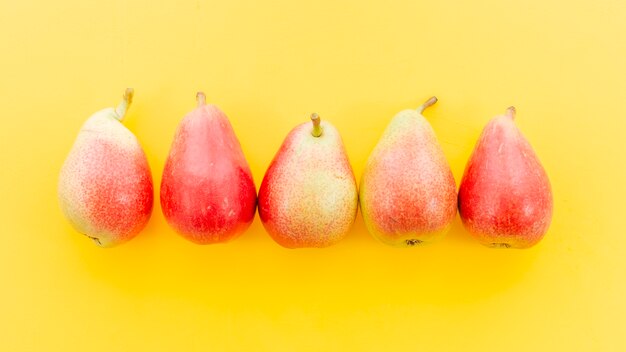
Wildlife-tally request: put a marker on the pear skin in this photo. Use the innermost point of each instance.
(505, 198)
(308, 197)
(207, 191)
(105, 185)
(407, 191)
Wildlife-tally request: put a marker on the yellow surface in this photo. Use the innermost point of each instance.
(268, 66)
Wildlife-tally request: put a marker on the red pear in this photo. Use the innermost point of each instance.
(207, 191)
(505, 199)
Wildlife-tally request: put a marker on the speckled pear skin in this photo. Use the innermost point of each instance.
(505, 197)
(207, 190)
(407, 191)
(105, 185)
(308, 197)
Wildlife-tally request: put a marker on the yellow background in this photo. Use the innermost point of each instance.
(268, 65)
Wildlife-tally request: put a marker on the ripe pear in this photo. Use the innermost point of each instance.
(105, 185)
(308, 197)
(407, 191)
(505, 199)
(207, 191)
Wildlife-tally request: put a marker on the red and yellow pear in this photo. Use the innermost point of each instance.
(407, 191)
(308, 197)
(105, 186)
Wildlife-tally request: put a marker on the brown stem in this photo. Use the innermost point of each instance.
(317, 129)
(127, 99)
(510, 112)
(426, 104)
(201, 99)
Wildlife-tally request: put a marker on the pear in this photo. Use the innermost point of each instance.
(207, 191)
(105, 185)
(308, 197)
(505, 199)
(407, 191)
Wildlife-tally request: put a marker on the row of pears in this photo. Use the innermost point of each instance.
(309, 196)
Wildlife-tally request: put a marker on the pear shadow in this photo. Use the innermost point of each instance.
(252, 273)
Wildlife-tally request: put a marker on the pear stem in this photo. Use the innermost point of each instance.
(201, 99)
(317, 129)
(127, 99)
(510, 112)
(429, 102)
